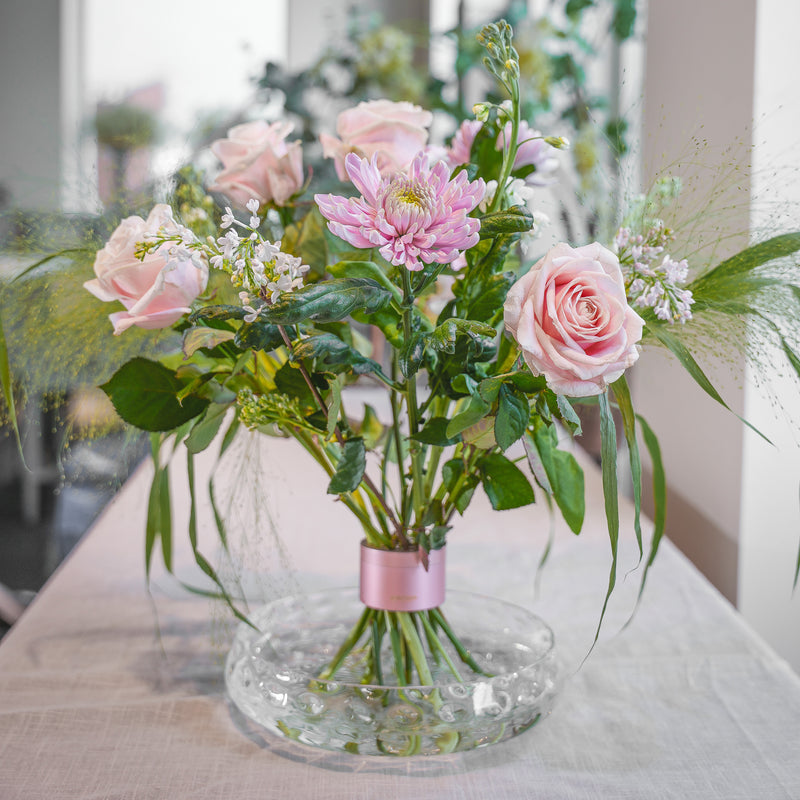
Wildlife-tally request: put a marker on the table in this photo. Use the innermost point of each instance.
(684, 702)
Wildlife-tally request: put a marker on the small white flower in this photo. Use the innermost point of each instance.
(252, 313)
(227, 218)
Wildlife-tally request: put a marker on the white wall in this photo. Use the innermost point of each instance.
(697, 114)
(771, 505)
(30, 102)
(733, 503)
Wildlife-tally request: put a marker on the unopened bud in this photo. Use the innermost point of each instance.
(559, 142)
(481, 111)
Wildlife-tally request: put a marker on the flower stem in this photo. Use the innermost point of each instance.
(415, 450)
(510, 153)
(348, 644)
(366, 480)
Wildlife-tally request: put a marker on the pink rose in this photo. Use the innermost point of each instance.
(570, 316)
(258, 163)
(396, 132)
(156, 291)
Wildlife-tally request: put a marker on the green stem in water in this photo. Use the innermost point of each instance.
(348, 644)
(462, 651)
(414, 645)
(437, 648)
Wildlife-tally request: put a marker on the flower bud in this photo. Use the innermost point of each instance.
(481, 111)
(559, 142)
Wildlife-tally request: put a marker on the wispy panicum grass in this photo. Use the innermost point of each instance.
(744, 277)
(59, 337)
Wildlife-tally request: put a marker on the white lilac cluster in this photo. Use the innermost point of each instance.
(183, 245)
(652, 285)
(256, 265)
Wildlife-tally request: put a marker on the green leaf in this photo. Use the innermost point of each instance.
(681, 352)
(459, 486)
(227, 440)
(504, 483)
(466, 384)
(516, 219)
(568, 415)
(623, 397)
(351, 466)
(206, 429)
(412, 353)
(444, 337)
(452, 470)
(165, 517)
(365, 269)
(536, 463)
(371, 428)
(489, 388)
(746, 260)
(435, 432)
(258, 335)
(334, 355)
(335, 406)
(290, 381)
(306, 240)
(574, 8)
(624, 19)
(328, 301)
(195, 338)
(659, 497)
(153, 524)
(513, 412)
(222, 312)
(563, 475)
(608, 455)
(144, 393)
(475, 411)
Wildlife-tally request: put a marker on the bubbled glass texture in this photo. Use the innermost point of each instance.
(271, 677)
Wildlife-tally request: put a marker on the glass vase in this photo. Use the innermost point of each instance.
(273, 676)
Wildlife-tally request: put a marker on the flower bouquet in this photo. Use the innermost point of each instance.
(483, 362)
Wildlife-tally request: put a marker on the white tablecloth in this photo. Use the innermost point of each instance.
(686, 702)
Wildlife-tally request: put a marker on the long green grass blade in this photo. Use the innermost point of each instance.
(622, 395)
(199, 558)
(227, 440)
(659, 500)
(165, 518)
(681, 352)
(796, 571)
(748, 259)
(153, 525)
(70, 251)
(608, 454)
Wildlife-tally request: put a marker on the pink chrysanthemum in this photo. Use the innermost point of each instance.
(414, 218)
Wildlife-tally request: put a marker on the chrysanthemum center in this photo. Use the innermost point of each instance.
(410, 192)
